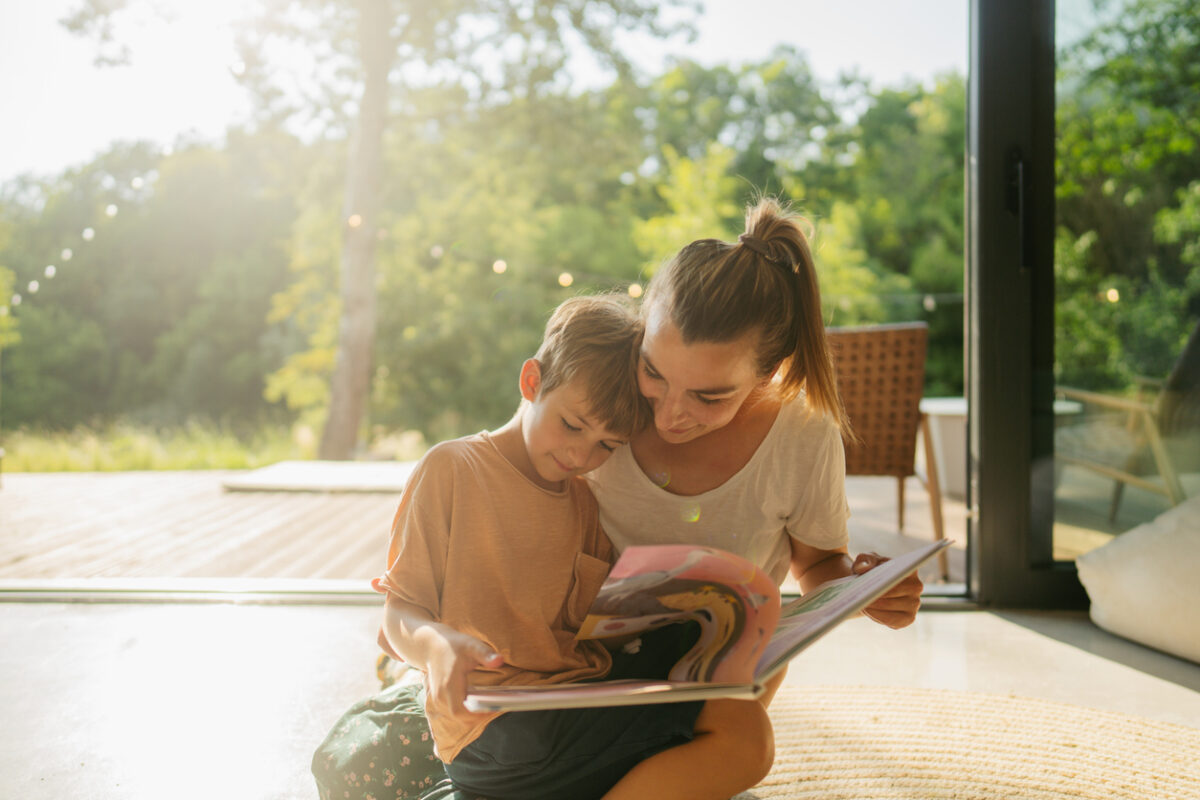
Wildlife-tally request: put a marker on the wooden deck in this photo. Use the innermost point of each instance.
(57, 526)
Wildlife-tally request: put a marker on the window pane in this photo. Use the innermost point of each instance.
(1127, 266)
(169, 303)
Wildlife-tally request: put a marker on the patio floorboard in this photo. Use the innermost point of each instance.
(185, 524)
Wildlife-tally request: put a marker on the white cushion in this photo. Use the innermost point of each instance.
(1145, 584)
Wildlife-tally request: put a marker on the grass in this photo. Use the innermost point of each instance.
(123, 446)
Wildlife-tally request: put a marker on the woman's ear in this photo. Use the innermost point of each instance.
(531, 379)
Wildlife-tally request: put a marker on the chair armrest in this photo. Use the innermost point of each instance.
(1104, 400)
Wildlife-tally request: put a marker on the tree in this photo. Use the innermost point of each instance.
(487, 206)
(154, 277)
(1128, 116)
(771, 115)
(513, 48)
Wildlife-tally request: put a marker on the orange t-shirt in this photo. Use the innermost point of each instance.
(483, 549)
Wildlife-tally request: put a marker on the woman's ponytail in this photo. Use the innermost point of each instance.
(802, 352)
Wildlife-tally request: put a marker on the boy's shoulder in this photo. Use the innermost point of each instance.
(457, 451)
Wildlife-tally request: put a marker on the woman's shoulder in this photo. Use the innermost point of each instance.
(803, 439)
(797, 419)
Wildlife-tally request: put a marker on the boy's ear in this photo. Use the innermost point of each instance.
(531, 379)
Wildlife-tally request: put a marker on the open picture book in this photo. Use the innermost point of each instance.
(746, 634)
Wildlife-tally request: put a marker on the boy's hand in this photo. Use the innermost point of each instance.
(451, 662)
(898, 607)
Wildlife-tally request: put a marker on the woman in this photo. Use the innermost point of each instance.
(746, 451)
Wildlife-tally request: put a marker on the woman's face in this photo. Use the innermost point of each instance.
(694, 388)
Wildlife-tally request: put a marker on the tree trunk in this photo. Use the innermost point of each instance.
(356, 331)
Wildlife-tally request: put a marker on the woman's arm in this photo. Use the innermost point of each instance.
(812, 567)
(447, 656)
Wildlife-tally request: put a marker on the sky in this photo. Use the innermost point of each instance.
(60, 110)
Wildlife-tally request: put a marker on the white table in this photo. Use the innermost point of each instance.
(948, 427)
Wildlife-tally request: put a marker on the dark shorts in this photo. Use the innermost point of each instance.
(577, 754)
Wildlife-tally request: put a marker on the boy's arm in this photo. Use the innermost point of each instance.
(445, 655)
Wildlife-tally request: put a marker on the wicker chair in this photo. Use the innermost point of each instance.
(1132, 439)
(881, 377)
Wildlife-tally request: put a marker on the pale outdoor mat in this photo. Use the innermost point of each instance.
(862, 743)
(324, 476)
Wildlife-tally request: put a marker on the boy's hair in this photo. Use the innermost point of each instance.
(595, 339)
(766, 284)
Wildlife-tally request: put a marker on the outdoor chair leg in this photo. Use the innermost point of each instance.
(935, 494)
(1118, 490)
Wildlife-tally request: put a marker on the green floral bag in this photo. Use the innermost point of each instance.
(381, 749)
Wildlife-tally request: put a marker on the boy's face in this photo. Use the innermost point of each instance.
(562, 439)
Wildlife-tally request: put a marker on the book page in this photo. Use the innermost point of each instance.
(735, 602)
(806, 619)
(602, 693)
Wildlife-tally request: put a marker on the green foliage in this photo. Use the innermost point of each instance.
(771, 115)
(909, 179)
(1127, 260)
(1087, 347)
(122, 446)
(1179, 228)
(306, 310)
(852, 291)
(214, 293)
(453, 331)
(1112, 329)
(9, 335)
(162, 271)
(697, 204)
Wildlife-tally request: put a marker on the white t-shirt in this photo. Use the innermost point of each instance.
(794, 484)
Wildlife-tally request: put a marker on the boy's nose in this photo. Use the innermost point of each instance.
(572, 458)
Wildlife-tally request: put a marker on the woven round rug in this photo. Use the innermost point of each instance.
(863, 743)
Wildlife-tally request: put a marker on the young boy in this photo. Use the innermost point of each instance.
(496, 554)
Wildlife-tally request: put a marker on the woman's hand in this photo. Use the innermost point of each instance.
(898, 607)
(451, 658)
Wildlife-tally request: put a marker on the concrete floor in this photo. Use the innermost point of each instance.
(196, 700)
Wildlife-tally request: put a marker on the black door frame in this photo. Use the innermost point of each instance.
(1010, 308)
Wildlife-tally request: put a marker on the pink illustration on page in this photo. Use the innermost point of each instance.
(736, 603)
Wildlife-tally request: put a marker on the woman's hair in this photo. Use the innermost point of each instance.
(764, 284)
(595, 339)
